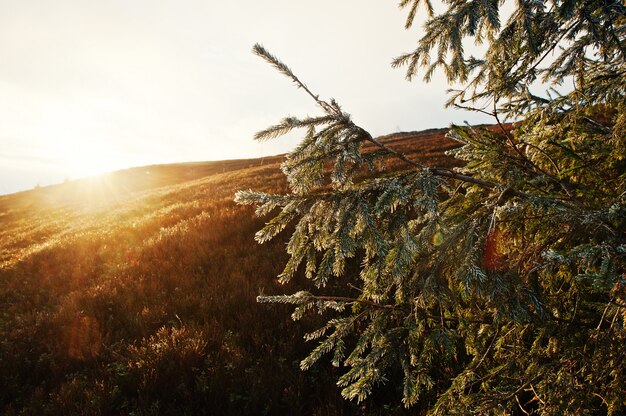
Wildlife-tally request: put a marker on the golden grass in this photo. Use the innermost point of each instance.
(134, 293)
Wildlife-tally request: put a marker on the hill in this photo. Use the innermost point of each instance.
(134, 293)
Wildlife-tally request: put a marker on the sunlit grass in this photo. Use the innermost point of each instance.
(134, 292)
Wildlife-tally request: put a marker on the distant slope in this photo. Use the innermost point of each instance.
(129, 180)
(134, 293)
(428, 145)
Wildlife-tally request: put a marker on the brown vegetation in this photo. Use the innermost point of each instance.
(134, 293)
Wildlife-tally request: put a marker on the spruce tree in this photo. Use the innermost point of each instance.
(498, 287)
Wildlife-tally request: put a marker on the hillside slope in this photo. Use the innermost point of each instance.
(134, 293)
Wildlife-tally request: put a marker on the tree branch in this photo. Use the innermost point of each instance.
(446, 173)
(421, 311)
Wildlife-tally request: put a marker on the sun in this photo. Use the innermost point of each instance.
(85, 165)
(88, 158)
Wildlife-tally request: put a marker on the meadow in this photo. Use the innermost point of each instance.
(134, 293)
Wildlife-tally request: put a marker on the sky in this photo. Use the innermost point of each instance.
(93, 86)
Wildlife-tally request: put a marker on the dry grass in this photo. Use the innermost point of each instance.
(134, 293)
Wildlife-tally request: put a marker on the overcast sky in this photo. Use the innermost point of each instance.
(89, 86)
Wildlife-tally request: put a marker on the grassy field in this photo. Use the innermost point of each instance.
(134, 293)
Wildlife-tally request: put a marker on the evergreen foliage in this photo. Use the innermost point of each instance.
(494, 288)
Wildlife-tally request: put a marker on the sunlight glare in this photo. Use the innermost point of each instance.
(88, 158)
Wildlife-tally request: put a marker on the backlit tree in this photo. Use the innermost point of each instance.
(498, 287)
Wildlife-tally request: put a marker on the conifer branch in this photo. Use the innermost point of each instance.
(420, 311)
(288, 124)
(284, 69)
(443, 270)
(446, 173)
